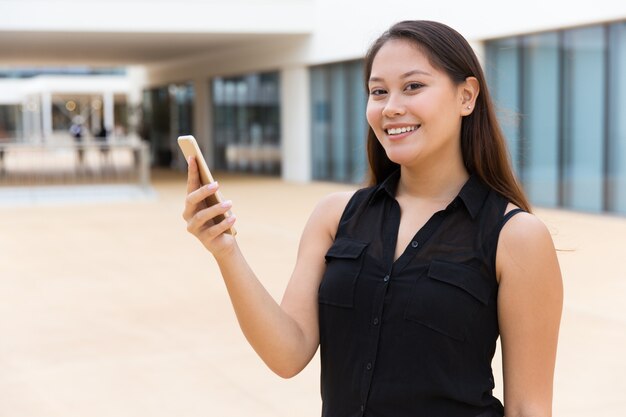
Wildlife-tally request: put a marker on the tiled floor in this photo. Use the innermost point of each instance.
(112, 309)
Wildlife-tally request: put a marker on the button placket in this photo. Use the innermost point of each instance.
(376, 327)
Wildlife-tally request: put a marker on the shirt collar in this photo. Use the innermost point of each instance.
(472, 194)
(388, 186)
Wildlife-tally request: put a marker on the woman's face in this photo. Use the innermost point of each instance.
(414, 109)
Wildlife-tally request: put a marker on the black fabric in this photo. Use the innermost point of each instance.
(414, 337)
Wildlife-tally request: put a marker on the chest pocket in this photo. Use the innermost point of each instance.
(447, 298)
(344, 261)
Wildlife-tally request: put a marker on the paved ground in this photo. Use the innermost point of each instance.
(112, 309)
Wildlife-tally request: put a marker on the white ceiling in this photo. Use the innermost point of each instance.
(111, 49)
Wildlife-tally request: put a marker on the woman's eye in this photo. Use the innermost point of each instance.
(377, 92)
(414, 86)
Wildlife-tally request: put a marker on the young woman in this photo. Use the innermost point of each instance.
(407, 284)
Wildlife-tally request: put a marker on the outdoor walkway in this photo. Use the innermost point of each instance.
(112, 309)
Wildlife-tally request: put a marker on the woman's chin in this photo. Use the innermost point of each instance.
(401, 158)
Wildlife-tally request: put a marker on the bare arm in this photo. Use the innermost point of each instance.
(285, 336)
(530, 301)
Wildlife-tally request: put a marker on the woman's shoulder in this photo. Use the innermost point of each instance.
(334, 204)
(337, 202)
(522, 226)
(524, 240)
(332, 208)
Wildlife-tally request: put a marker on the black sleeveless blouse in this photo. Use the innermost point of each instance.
(414, 337)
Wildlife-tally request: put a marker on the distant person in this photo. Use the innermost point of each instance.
(4, 138)
(406, 285)
(77, 131)
(102, 137)
(102, 133)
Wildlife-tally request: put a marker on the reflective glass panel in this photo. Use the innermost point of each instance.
(338, 131)
(540, 123)
(583, 116)
(617, 118)
(503, 62)
(246, 123)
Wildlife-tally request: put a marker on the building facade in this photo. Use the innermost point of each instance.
(276, 87)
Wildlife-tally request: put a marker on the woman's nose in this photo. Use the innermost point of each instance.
(394, 107)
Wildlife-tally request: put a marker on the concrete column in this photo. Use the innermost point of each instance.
(108, 106)
(96, 120)
(46, 115)
(203, 118)
(137, 78)
(295, 124)
(28, 123)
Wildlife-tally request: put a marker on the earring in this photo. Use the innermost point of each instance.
(468, 107)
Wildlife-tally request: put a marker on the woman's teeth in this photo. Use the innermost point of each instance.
(399, 130)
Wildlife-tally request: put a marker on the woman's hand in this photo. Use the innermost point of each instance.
(199, 216)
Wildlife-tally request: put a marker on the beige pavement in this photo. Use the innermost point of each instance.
(114, 310)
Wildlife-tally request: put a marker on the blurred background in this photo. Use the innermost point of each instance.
(108, 307)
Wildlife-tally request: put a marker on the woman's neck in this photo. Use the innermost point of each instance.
(442, 183)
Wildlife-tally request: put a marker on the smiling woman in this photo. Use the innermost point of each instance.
(406, 285)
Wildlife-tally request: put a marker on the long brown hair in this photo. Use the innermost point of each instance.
(483, 144)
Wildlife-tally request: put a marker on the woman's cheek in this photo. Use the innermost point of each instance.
(372, 114)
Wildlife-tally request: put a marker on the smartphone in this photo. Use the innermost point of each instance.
(189, 146)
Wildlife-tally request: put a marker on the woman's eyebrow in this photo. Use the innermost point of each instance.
(405, 75)
(419, 72)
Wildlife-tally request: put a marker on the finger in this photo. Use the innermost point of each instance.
(221, 227)
(203, 193)
(193, 175)
(205, 217)
(192, 202)
(212, 214)
(200, 199)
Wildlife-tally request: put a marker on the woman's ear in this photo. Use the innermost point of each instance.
(470, 89)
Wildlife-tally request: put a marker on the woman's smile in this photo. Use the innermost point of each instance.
(399, 132)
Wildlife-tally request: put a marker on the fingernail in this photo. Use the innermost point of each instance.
(227, 203)
(212, 186)
(231, 219)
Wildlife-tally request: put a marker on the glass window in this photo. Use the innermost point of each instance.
(246, 117)
(320, 123)
(583, 116)
(358, 123)
(156, 117)
(572, 135)
(167, 114)
(10, 123)
(617, 119)
(181, 113)
(338, 125)
(503, 71)
(339, 142)
(540, 124)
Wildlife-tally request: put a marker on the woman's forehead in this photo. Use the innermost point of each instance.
(400, 56)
